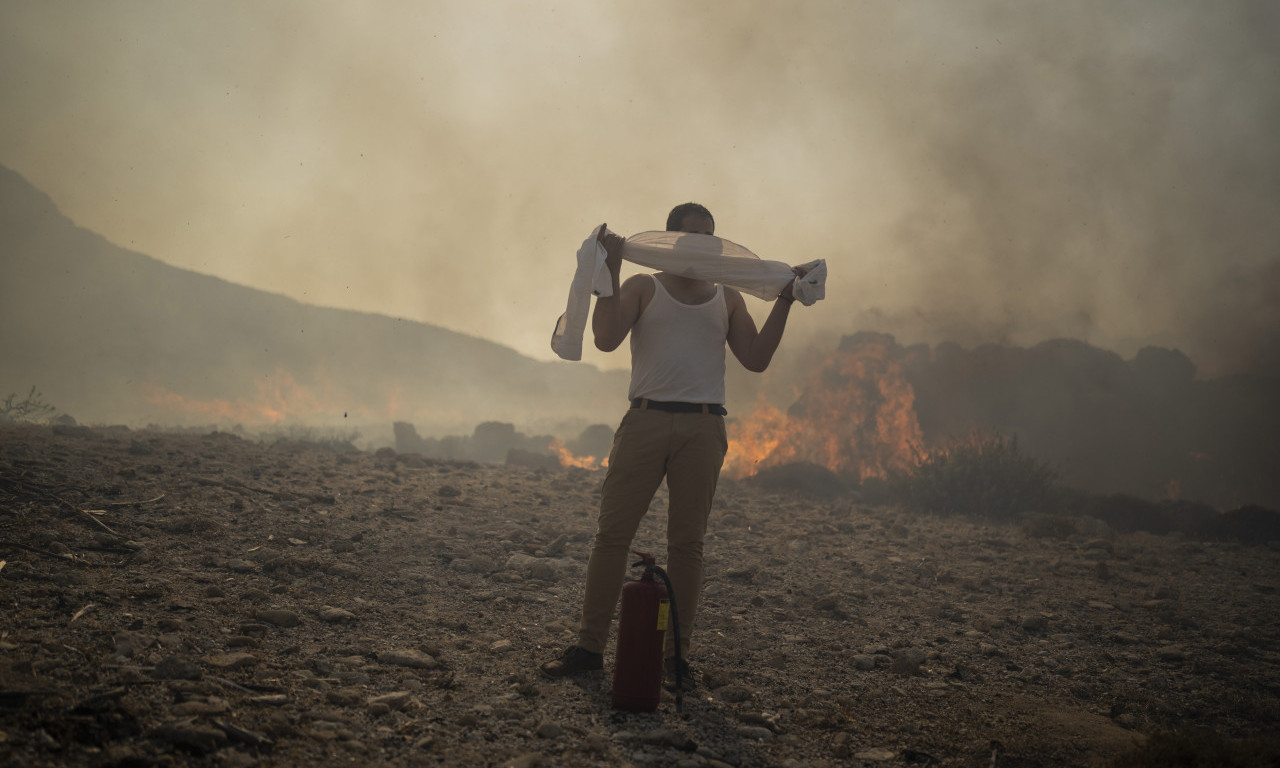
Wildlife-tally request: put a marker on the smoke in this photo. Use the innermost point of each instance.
(978, 172)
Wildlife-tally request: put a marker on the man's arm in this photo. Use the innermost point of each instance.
(614, 315)
(754, 349)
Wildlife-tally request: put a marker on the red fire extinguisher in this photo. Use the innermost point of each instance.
(642, 629)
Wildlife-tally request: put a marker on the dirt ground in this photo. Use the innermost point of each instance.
(202, 599)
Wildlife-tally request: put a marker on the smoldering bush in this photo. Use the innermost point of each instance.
(984, 477)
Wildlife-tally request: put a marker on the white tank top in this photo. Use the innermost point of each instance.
(677, 350)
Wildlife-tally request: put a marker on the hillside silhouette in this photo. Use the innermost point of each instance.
(110, 335)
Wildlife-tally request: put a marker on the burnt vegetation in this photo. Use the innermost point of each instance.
(31, 409)
(985, 477)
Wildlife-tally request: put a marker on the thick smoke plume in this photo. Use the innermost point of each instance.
(989, 172)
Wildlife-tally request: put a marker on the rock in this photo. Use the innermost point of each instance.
(201, 739)
(269, 700)
(232, 660)
(864, 662)
(501, 646)
(344, 697)
(876, 755)
(210, 706)
(128, 644)
(908, 662)
(549, 730)
(1172, 653)
(543, 568)
(278, 617)
(240, 566)
(735, 693)
(1037, 623)
(177, 668)
(336, 615)
(408, 657)
(827, 603)
(754, 732)
(527, 760)
(396, 700)
(714, 678)
(556, 547)
(343, 571)
(235, 733)
(473, 564)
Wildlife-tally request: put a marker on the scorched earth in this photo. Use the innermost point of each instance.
(210, 600)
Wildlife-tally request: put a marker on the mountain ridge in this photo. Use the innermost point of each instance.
(110, 334)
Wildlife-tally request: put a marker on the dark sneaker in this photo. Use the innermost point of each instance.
(574, 661)
(687, 683)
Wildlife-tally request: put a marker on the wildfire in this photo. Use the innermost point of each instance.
(855, 415)
(567, 459)
(277, 398)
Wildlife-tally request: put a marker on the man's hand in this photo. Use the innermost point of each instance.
(787, 292)
(612, 248)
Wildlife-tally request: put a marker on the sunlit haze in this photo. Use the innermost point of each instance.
(979, 171)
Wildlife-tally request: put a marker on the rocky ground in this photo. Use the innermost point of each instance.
(208, 600)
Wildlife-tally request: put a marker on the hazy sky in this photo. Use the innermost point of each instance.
(975, 171)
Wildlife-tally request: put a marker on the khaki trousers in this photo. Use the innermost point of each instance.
(686, 448)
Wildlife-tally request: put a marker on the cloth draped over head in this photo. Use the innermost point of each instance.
(702, 257)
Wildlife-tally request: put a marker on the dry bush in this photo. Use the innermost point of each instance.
(31, 410)
(984, 477)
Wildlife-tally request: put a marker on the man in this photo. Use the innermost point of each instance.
(679, 327)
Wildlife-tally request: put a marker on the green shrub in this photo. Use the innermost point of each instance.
(982, 477)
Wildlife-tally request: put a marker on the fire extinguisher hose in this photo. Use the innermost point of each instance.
(675, 629)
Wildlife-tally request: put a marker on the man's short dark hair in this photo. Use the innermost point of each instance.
(675, 219)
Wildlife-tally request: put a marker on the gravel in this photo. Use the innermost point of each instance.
(295, 604)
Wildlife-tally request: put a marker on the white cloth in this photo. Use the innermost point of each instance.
(702, 257)
(590, 278)
(716, 260)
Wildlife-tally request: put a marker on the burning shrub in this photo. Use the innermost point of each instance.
(800, 478)
(985, 477)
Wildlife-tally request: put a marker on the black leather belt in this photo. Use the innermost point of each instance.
(658, 405)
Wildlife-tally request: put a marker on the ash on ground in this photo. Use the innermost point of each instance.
(216, 601)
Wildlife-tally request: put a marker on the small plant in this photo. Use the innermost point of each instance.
(322, 437)
(982, 477)
(31, 410)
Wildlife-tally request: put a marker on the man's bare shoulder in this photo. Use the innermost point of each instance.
(641, 284)
(733, 297)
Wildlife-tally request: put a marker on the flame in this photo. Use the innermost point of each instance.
(567, 459)
(277, 398)
(855, 415)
